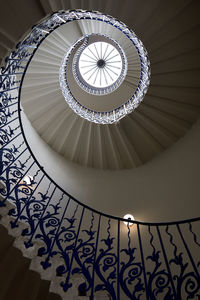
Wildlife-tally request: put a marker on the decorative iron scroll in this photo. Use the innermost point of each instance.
(145, 261)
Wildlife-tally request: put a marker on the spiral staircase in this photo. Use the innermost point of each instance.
(63, 177)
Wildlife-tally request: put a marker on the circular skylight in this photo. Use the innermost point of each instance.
(100, 64)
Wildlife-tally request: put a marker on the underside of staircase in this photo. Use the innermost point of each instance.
(16, 279)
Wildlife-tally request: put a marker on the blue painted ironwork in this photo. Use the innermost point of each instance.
(28, 191)
(164, 266)
(35, 213)
(53, 223)
(106, 265)
(130, 274)
(93, 269)
(159, 285)
(84, 256)
(187, 283)
(142, 259)
(67, 284)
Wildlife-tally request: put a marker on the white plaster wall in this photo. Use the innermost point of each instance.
(167, 188)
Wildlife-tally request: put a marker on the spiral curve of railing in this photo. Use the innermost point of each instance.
(138, 261)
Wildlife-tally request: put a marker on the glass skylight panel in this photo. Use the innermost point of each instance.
(100, 64)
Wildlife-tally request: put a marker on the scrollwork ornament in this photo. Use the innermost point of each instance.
(65, 241)
(159, 281)
(22, 193)
(105, 267)
(84, 256)
(6, 157)
(6, 135)
(33, 211)
(187, 284)
(11, 177)
(3, 118)
(9, 156)
(130, 276)
(190, 286)
(48, 225)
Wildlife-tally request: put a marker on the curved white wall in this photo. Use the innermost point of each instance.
(165, 189)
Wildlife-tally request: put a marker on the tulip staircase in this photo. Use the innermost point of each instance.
(69, 249)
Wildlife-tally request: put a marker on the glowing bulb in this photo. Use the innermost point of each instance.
(28, 179)
(128, 217)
